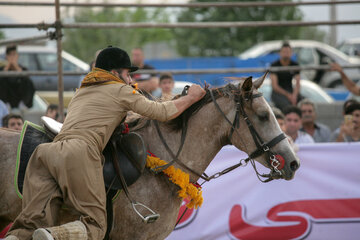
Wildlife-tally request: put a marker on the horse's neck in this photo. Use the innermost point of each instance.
(204, 139)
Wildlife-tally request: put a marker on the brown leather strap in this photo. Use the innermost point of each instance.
(119, 174)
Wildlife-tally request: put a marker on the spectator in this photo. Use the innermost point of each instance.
(166, 85)
(52, 111)
(349, 130)
(147, 83)
(138, 59)
(283, 93)
(13, 121)
(15, 90)
(293, 125)
(3, 111)
(350, 85)
(281, 121)
(318, 131)
(346, 104)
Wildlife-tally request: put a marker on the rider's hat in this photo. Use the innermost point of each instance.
(114, 58)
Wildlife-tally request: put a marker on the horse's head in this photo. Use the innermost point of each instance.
(254, 129)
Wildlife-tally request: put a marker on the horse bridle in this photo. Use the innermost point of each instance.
(262, 147)
(274, 160)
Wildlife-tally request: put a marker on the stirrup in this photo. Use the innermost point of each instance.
(147, 218)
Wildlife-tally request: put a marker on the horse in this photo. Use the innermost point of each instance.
(235, 114)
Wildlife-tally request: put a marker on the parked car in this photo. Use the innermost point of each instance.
(42, 58)
(34, 113)
(351, 47)
(308, 90)
(311, 53)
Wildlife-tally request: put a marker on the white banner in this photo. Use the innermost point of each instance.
(321, 202)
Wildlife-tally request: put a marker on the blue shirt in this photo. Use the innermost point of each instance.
(3, 111)
(322, 133)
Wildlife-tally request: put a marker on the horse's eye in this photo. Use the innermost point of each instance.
(263, 116)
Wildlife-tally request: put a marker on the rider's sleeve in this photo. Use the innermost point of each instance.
(134, 101)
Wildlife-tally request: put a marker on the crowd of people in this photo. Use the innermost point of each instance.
(300, 125)
(91, 121)
(296, 116)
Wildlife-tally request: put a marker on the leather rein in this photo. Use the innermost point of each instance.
(262, 147)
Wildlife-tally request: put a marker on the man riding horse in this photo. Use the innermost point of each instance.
(69, 170)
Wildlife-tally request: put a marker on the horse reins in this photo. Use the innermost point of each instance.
(262, 147)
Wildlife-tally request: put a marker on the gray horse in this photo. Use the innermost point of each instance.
(209, 129)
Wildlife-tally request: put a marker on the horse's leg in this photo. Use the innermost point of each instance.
(156, 192)
(10, 203)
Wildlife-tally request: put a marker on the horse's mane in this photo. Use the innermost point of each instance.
(177, 123)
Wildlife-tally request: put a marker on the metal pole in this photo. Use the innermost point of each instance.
(24, 40)
(208, 24)
(39, 26)
(59, 59)
(186, 5)
(333, 32)
(185, 24)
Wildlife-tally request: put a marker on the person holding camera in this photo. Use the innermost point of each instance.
(350, 128)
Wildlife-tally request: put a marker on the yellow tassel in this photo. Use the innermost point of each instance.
(181, 179)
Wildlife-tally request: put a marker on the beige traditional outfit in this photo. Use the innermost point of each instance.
(70, 168)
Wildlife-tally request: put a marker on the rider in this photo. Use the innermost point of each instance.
(69, 170)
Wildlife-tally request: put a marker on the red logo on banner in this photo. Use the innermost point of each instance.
(187, 217)
(298, 215)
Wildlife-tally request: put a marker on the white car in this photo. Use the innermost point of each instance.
(42, 58)
(308, 90)
(351, 47)
(311, 53)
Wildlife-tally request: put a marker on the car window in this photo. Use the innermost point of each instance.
(69, 66)
(48, 62)
(28, 60)
(306, 56)
(345, 48)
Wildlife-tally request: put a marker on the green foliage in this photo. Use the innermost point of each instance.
(232, 41)
(2, 35)
(83, 43)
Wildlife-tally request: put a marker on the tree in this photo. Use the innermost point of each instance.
(2, 35)
(232, 41)
(83, 43)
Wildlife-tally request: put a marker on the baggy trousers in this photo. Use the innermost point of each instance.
(69, 172)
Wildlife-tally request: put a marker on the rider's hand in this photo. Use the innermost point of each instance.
(196, 92)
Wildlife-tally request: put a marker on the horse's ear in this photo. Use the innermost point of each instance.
(247, 85)
(258, 82)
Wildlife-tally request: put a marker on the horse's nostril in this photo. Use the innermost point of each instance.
(294, 166)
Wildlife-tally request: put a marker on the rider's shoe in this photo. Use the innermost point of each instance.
(69, 231)
(11, 237)
(42, 234)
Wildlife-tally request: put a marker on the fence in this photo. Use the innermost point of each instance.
(58, 26)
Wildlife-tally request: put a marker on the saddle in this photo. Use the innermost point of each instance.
(128, 149)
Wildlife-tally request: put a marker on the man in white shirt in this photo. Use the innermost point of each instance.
(293, 125)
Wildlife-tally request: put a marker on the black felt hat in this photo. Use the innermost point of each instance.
(114, 58)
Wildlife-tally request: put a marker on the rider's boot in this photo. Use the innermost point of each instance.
(69, 231)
